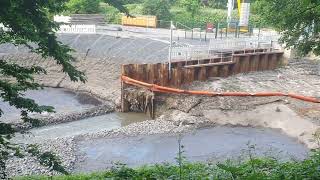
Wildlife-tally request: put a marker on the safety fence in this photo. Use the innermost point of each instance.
(185, 72)
(219, 46)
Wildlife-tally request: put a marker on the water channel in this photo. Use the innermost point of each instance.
(213, 144)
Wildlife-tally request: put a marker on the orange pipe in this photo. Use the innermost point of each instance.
(304, 98)
(236, 94)
(206, 93)
(127, 79)
(168, 89)
(261, 94)
(163, 89)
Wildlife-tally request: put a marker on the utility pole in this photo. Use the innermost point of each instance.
(230, 8)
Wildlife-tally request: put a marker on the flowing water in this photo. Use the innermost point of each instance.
(87, 125)
(213, 144)
(63, 100)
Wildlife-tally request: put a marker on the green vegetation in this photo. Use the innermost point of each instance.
(84, 6)
(159, 8)
(254, 168)
(191, 6)
(30, 23)
(194, 15)
(298, 20)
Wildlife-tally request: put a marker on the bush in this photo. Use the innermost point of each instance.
(159, 8)
(254, 168)
(83, 6)
(218, 4)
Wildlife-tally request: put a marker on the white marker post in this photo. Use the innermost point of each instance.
(230, 8)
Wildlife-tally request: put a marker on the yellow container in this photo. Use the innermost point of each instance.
(141, 21)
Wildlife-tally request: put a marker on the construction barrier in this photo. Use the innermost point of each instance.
(141, 21)
(162, 89)
(186, 72)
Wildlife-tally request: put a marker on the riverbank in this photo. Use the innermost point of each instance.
(175, 114)
(254, 168)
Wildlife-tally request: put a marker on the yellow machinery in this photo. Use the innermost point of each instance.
(141, 21)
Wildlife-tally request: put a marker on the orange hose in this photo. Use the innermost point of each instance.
(236, 94)
(127, 79)
(304, 98)
(163, 89)
(206, 93)
(168, 89)
(261, 94)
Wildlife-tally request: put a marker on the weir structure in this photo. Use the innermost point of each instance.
(186, 72)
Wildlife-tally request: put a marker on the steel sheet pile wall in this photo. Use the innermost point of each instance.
(185, 72)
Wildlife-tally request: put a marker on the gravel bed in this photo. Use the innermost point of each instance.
(29, 165)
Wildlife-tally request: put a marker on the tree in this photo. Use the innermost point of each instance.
(219, 4)
(84, 6)
(297, 20)
(159, 8)
(192, 6)
(30, 22)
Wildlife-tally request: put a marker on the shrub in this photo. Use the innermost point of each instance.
(159, 8)
(83, 6)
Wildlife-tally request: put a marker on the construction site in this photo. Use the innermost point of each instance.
(149, 87)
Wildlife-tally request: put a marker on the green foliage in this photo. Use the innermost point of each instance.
(254, 168)
(218, 4)
(131, 1)
(112, 14)
(83, 6)
(191, 6)
(204, 16)
(180, 15)
(159, 8)
(29, 23)
(297, 20)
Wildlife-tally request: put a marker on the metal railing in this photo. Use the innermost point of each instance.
(218, 48)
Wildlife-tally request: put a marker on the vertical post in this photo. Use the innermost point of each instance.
(122, 97)
(230, 8)
(217, 27)
(170, 49)
(227, 30)
(205, 36)
(123, 108)
(236, 30)
(259, 35)
(192, 34)
(185, 33)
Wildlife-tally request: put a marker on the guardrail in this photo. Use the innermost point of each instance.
(217, 47)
